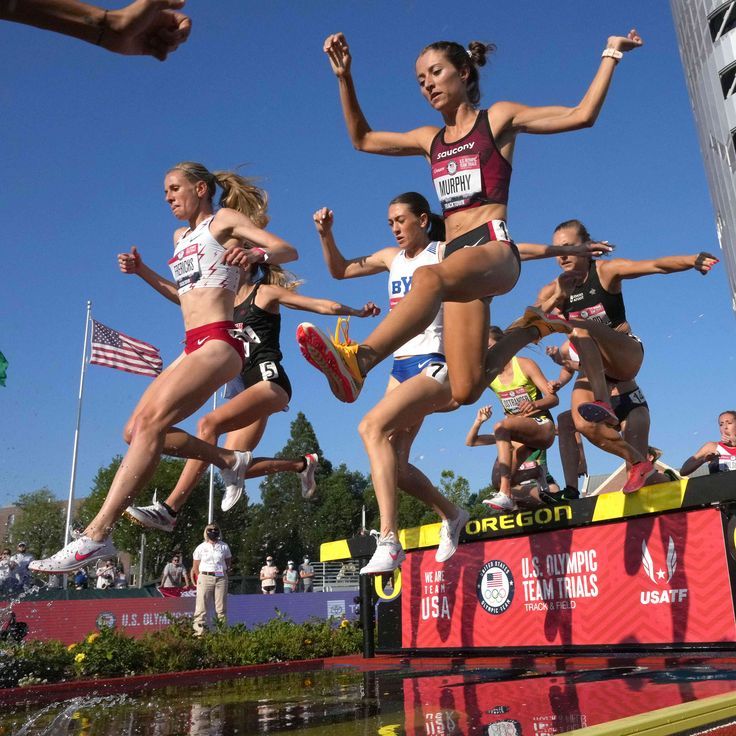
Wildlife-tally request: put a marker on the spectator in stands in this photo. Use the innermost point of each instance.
(22, 559)
(174, 574)
(269, 573)
(81, 581)
(306, 573)
(291, 577)
(121, 579)
(8, 581)
(210, 567)
(105, 576)
(721, 455)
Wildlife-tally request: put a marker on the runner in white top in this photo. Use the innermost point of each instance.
(212, 356)
(418, 383)
(720, 456)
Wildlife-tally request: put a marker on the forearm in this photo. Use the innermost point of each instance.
(475, 440)
(565, 377)
(674, 264)
(547, 401)
(163, 286)
(590, 106)
(336, 262)
(355, 121)
(70, 17)
(691, 465)
(535, 251)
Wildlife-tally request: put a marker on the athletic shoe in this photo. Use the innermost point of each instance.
(569, 493)
(234, 479)
(78, 553)
(309, 486)
(450, 535)
(337, 361)
(501, 502)
(156, 516)
(638, 474)
(597, 412)
(388, 556)
(544, 323)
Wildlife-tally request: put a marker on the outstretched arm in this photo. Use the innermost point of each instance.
(705, 454)
(363, 137)
(145, 27)
(292, 300)
(132, 262)
(341, 267)
(536, 251)
(614, 271)
(480, 440)
(512, 117)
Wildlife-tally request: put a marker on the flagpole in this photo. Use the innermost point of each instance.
(211, 509)
(67, 531)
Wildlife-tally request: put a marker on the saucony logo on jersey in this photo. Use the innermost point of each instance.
(457, 149)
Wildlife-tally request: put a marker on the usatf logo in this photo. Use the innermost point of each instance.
(106, 620)
(660, 576)
(495, 587)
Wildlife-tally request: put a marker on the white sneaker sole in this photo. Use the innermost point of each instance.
(148, 523)
(375, 570)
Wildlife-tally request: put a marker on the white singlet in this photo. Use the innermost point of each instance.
(726, 459)
(399, 283)
(198, 262)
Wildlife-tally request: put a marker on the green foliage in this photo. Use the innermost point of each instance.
(41, 523)
(110, 653)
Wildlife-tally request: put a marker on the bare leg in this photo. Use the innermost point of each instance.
(178, 394)
(466, 345)
(569, 450)
(467, 275)
(244, 417)
(505, 349)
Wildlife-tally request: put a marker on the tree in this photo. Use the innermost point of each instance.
(41, 523)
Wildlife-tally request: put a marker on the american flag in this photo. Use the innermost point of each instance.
(116, 350)
(494, 579)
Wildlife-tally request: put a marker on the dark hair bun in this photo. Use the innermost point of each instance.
(479, 52)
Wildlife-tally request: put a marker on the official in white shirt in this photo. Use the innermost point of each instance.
(210, 568)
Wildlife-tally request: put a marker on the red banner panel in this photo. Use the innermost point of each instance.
(542, 706)
(651, 580)
(71, 621)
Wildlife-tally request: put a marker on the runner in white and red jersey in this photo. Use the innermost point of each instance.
(206, 270)
(721, 455)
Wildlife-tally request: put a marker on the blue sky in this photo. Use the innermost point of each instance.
(87, 137)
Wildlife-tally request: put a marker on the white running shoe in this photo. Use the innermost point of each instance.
(155, 516)
(234, 479)
(388, 556)
(501, 502)
(78, 553)
(309, 486)
(450, 535)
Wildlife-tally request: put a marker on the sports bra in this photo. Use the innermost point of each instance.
(521, 389)
(725, 461)
(471, 171)
(259, 329)
(198, 262)
(591, 301)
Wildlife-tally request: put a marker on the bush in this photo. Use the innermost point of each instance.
(111, 653)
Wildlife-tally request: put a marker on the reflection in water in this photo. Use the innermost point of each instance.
(469, 698)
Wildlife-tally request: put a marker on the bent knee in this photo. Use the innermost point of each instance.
(370, 429)
(207, 428)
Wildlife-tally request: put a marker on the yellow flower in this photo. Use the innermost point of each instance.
(92, 637)
(71, 647)
(80, 657)
(344, 623)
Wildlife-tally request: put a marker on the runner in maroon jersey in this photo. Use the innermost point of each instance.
(470, 157)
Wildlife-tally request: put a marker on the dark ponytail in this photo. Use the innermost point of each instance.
(418, 205)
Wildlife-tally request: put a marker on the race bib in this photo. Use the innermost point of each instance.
(436, 370)
(596, 313)
(245, 333)
(185, 267)
(457, 181)
(513, 398)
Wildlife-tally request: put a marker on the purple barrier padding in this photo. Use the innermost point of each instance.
(299, 607)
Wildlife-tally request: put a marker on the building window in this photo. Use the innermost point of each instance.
(723, 20)
(728, 80)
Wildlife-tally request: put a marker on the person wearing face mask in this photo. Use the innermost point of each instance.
(7, 573)
(306, 573)
(269, 573)
(211, 564)
(290, 577)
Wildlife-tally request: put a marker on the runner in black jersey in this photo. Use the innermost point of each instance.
(588, 296)
(261, 389)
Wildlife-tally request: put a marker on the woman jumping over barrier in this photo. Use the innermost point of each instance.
(206, 270)
(588, 296)
(470, 159)
(527, 425)
(262, 388)
(418, 382)
(721, 455)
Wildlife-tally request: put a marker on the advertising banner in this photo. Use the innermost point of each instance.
(653, 580)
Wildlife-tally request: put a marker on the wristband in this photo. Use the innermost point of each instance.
(701, 258)
(262, 253)
(612, 53)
